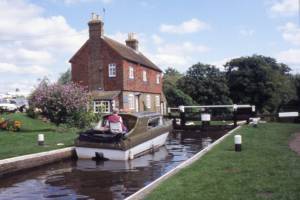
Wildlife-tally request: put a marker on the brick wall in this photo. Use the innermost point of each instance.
(79, 67)
(109, 56)
(137, 84)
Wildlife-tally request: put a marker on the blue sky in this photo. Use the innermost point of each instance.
(37, 37)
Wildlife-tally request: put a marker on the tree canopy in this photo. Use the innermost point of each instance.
(175, 96)
(260, 81)
(206, 84)
(65, 77)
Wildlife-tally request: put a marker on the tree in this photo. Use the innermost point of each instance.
(60, 103)
(206, 84)
(260, 81)
(175, 97)
(65, 77)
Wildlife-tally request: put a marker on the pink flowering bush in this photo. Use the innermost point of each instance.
(62, 103)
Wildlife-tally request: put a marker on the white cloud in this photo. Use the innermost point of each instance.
(119, 36)
(25, 86)
(220, 63)
(191, 26)
(291, 56)
(180, 56)
(182, 49)
(247, 32)
(291, 33)
(157, 39)
(83, 1)
(34, 44)
(285, 7)
(7, 68)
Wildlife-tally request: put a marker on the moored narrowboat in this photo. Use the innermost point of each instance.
(147, 131)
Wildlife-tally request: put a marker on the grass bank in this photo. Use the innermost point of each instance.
(265, 169)
(25, 142)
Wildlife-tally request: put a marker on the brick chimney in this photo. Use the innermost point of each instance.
(132, 42)
(95, 66)
(95, 26)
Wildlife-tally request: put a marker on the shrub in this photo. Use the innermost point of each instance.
(32, 113)
(60, 103)
(10, 125)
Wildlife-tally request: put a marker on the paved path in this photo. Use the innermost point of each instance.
(294, 144)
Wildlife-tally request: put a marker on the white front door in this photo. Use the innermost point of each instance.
(136, 104)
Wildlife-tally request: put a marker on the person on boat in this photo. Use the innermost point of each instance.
(116, 119)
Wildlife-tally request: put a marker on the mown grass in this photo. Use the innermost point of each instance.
(25, 142)
(265, 169)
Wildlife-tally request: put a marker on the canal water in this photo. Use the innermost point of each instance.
(87, 179)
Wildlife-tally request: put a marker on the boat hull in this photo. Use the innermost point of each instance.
(117, 154)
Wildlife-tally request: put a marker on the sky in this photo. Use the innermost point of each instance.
(38, 37)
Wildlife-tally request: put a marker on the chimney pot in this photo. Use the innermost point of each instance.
(132, 42)
(95, 26)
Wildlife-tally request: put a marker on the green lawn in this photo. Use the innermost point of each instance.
(25, 142)
(265, 169)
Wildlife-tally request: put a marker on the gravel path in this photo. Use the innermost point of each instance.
(294, 144)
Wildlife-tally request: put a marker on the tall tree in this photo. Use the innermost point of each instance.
(261, 81)
(65, 77)
(174, 96)
(206, 84)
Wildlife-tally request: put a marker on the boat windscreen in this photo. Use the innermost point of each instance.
(129, 121)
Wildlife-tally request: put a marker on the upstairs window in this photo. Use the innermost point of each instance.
(148, 101)
(112, 72)
(144, 76)
(157, 78)
(131, 73)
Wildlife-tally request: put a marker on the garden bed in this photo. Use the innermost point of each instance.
(25, 141)
(265, 169)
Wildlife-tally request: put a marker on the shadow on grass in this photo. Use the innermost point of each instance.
(38, 130)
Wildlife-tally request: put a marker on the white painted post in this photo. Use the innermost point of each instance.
(41, 139)
(181, 108)
(169, 110)
(253, 108)
(238, 143)
(255, 122)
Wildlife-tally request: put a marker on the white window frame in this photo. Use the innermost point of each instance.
(112, 70)
(131, 72)
(144, 75)
(131, 101)
(157, 101)
(101, 106)
(148, 101)
(157, 78)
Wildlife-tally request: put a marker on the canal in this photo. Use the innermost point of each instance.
(87, 179)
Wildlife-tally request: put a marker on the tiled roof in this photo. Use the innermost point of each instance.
(131, 54)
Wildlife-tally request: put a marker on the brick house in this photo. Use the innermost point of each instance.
(117, 75)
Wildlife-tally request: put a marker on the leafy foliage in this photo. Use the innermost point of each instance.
(175, 96)
(65, 78)
(206, 84)
(260, 81)
(61, 103)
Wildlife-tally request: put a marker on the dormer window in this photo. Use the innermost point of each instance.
(131, 73)
(144, 76)
(112, 72)
(157, 78)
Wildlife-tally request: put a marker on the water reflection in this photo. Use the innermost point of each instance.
(85, 179)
